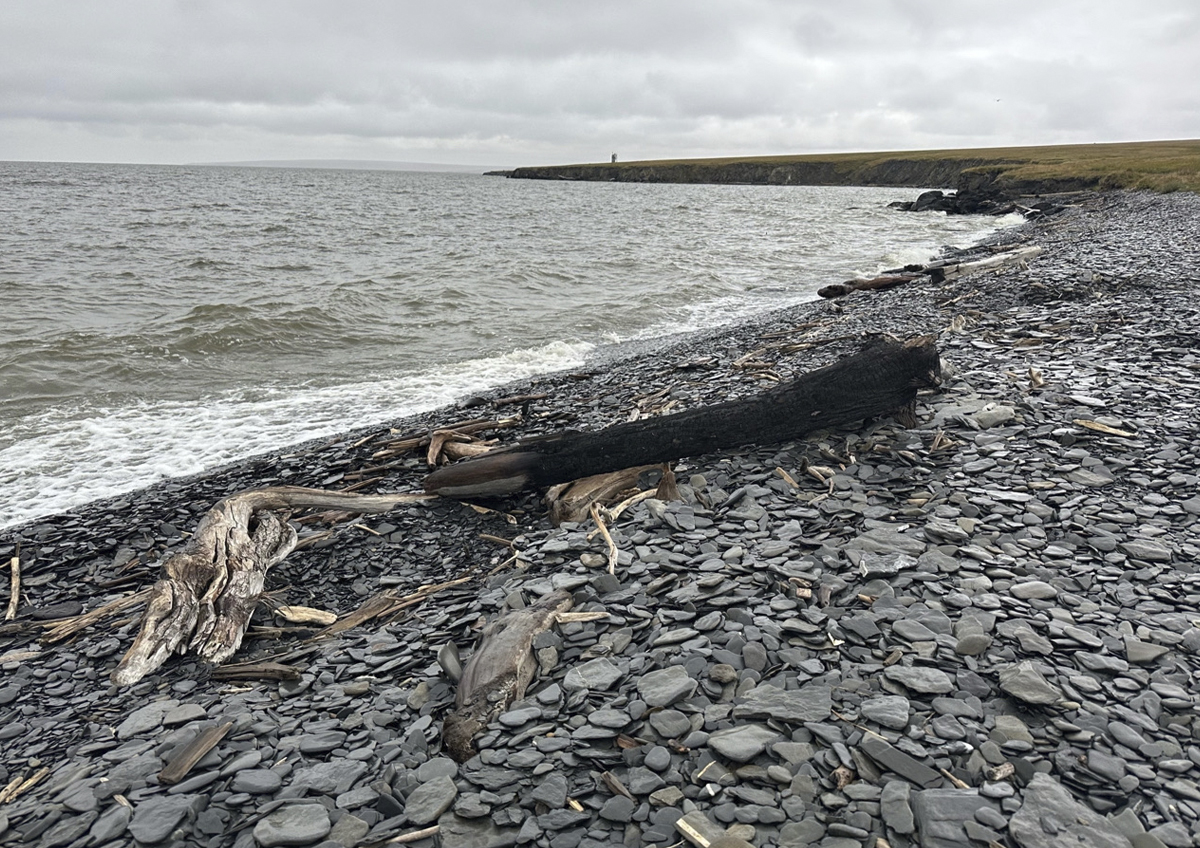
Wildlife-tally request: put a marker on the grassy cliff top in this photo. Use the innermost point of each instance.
(1156, 165)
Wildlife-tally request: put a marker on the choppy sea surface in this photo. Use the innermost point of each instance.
(158, 320)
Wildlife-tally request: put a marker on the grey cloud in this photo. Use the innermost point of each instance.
(535, 80)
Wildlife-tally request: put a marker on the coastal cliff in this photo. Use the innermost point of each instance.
(1160, 166)
(889, 172)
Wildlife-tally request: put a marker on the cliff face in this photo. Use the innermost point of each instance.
(891, 172)
(975, 174)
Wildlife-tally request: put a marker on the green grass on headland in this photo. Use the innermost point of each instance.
(1156, 165)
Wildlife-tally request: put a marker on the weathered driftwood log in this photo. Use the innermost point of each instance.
(888, 281)
(205, 602)
(573, 501)
(883, 377)
(499, 671)
(942, 271)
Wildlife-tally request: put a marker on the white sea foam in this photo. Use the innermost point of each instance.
(83, 455)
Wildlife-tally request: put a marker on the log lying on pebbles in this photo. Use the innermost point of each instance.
(499, 671)
(880, 283)
(212, 586)
(938, 271)
(883, 377)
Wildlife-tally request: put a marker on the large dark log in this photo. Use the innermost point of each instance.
(880, 379)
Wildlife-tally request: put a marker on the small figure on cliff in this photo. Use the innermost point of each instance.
(614, 158)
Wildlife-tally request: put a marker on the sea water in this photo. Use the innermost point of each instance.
(157, 321)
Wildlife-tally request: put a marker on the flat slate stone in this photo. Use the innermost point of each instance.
(429, 800)
(155, 818)
(256, 782)
(742, 744)
(891, 711)
(112, 823)
(552, 791)
(1147, 550)
(68, 830)
(1051, 818)
(873, 565)
(941, 813)
(927, 681)
(893, 759)
(1024, 682)
(293, 824)
(331, 778)
(321, 743)
(666, 686)
(1033, 590)
(887, 540)
(895, 806)
(183, 714)
(809, 703)
(1137, 651)
(598, 674)
(142, 721)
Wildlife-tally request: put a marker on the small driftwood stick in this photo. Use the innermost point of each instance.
(212, 585)
(14, 597)
(499, 671)
(57, 631)
(19, 785)
(609, 544)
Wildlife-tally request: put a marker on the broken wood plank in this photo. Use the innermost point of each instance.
(257, 671)
(1104, 428)
(193, 753)
(506, 401)
(883, 377)
(499, 671)
(387, 603)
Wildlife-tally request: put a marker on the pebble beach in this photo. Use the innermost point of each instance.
(981, 630)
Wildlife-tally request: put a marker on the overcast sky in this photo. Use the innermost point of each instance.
(512, 82)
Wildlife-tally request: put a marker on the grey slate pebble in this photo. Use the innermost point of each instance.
(293, 824)
(809, 703)
(742, 743)
(256, 782)
(664, 687)
(891, 711)
(920, 679)
(1049, 816)
(1023, 681)
(155, 818)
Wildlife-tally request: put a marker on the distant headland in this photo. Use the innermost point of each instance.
(1156, 165)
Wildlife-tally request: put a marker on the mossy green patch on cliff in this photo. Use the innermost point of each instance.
(1156, 165)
